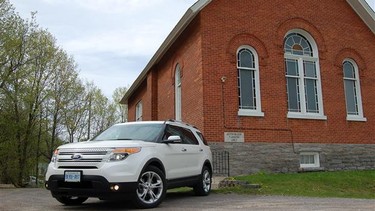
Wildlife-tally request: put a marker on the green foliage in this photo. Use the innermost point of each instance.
(345, 184)
(121, 110)
(43, 103)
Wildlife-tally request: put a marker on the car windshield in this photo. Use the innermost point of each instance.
(143, 132)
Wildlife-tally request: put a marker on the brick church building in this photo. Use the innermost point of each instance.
(283, 86)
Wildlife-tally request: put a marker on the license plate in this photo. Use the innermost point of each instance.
(72, 176)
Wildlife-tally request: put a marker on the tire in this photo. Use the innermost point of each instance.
(151, 188)
(71, 200)
(203, 187)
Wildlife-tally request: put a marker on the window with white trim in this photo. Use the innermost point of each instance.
(248, 82)
(177, 85)
(352, 91)
(138, 111)
(302, 76)
(309, 160)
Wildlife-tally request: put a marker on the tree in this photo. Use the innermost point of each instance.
(13, 41)
(74, 111)
(30, 64)
(43, 103)
(64, 80)
(101, 113)
(26, 90)
(121, 109)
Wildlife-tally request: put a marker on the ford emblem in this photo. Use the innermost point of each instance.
(76, 157)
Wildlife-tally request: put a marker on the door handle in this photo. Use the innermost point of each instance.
(184, 150)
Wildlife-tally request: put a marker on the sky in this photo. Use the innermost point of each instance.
(111, 40)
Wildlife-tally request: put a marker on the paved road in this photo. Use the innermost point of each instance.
(40, 199)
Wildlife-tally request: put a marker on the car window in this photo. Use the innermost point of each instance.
(142, 132)
(187, 137)
(202, 138)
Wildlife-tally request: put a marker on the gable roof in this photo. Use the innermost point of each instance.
(186, 19)
(365, 12)
(361, 7)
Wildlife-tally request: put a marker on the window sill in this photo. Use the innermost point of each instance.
(312, 150)
(248, 112)
(294, 115)
(356, 118)
(310, 169)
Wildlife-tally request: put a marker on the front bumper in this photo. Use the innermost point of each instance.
(90, 186)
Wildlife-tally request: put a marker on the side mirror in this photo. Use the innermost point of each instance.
(173, 139)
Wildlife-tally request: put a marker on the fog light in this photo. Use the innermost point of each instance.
(115, 187)
(46, 185)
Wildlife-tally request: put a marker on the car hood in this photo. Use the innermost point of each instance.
(107, 144)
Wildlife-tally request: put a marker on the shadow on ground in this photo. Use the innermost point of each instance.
(95, 204)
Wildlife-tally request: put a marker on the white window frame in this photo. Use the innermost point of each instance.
(178, 93)
(303, 114)
(359, 116)
(258, 110)
(138, 111)
(316, 163)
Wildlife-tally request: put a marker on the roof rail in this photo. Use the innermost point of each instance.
(179, 121)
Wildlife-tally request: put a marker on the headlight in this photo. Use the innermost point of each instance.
(122, 153)
(54, 156)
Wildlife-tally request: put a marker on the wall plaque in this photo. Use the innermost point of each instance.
(234, 137)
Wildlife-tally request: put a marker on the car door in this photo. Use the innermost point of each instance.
(179, 157)
(193, 152)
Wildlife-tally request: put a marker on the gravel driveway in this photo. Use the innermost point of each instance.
(40, 199)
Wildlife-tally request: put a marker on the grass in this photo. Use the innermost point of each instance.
(344, 184)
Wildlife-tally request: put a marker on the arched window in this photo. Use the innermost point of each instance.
(248, 82)
(177, 85)
(302, 76)
(352, 91)
(138, 111)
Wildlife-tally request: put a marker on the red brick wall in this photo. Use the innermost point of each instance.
(207, 51)
(338, 32)
(140, 95)
(186, 52)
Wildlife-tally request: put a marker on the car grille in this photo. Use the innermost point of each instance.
(81, 158)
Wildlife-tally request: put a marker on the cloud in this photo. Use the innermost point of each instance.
(371, 3)
(111, 40)
(111, 6)
(117, 6)
(110, 71)
(142, 40)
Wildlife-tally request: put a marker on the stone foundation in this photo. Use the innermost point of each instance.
(246, 158)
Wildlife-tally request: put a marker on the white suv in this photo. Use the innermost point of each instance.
(137, 160)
